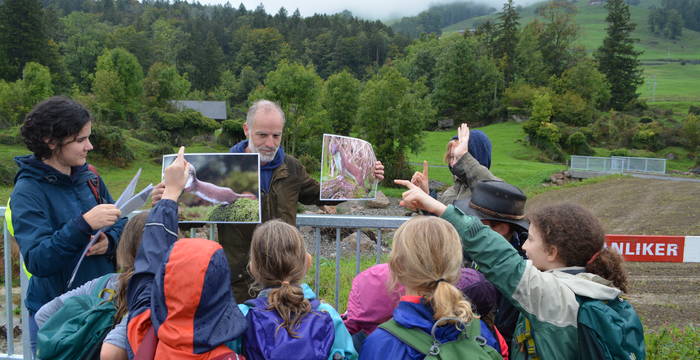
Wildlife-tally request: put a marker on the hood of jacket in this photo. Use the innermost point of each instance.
(31, 167)
(193, 307)
(420, 316)
(587, 284)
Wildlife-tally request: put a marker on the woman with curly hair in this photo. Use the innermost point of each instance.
(58, 203)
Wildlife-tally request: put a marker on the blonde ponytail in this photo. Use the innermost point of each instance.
(426, 257)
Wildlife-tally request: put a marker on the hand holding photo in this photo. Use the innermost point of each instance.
(220, 188)
(347, 169)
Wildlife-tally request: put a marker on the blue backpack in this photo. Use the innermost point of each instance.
(265, 340)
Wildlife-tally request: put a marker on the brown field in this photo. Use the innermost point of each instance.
(662, 293)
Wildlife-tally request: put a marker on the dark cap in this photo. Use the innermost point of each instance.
(498, 201)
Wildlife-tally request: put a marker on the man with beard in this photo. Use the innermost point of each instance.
(284, 182)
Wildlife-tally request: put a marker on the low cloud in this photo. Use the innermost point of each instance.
(368, 9)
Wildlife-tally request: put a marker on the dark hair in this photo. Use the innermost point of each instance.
(55, 119)
(579, 238)
(126, 255)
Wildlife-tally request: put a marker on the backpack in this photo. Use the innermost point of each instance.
(77, 329)
(264, 339)
(469, 345)
(609, 330)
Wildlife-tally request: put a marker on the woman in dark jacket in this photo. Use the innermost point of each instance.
(58, 203)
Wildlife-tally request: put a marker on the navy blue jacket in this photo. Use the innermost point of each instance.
(47, 208)
(411, 315)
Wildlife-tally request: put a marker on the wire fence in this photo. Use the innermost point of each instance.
(618, 164)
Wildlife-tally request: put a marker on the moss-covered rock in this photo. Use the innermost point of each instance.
(243, 210)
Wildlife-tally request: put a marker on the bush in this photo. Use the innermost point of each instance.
(110, 144)
(576, 144)
(518, 98)
(181, 126)
(311, 163)
(160, 150)
(620, 152)
(647, 138)
(231, 132)
(151, 135)
(695, 110)
(572, 109)
(11, 136)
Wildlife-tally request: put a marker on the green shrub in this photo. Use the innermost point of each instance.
(160, 150)
(110, 144)
(695, 110)
(151, 135)
(620, 152)
(11, 136)
(572, 109)
(648, 137)
(231, 132)
(576, 144)
(311, 163)
(519, 97)
(181, 126)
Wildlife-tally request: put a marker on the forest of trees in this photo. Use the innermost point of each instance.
(669, 19)
(126, 59)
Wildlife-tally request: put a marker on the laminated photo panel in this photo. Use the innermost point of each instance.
(221, 188)
(347, 169)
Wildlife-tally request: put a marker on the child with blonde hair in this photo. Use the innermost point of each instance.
(286, 321)
(426, 258)
(568, 291)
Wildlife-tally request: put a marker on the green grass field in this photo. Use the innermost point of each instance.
(512, 159)
(671, 82)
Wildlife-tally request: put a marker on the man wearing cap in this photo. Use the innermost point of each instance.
(501, 206)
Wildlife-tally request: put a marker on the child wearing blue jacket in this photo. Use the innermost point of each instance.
(426, 258)
(286, 321)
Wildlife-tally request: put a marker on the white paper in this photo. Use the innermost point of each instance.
(126, 203)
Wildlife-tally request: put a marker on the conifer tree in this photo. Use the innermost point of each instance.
(507, 41)
(617, 57)
(22, 36)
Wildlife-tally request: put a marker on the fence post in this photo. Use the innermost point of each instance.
(24, 285)
(8, 290)
(337, 266)
(358, 236)
(317, 257)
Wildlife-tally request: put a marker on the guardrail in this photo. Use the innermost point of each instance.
(618, 164)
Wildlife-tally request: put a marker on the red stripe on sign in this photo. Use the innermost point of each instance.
(647, 248)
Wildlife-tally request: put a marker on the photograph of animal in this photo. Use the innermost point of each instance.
(346, 169)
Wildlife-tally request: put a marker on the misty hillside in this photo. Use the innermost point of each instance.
(591, 22)
(438, 17)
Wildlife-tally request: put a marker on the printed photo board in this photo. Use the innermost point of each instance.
(221, 188)
(347, 169)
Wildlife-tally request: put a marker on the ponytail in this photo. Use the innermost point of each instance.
(608, 264)
(290, 304)
(448, 301)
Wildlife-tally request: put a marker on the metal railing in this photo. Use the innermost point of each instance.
(618, 164)
(317, 222)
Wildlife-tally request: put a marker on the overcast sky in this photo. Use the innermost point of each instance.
(375, 9)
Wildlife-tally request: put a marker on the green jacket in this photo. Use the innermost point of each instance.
(467, 172)
(547, 299)
(290, 184)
